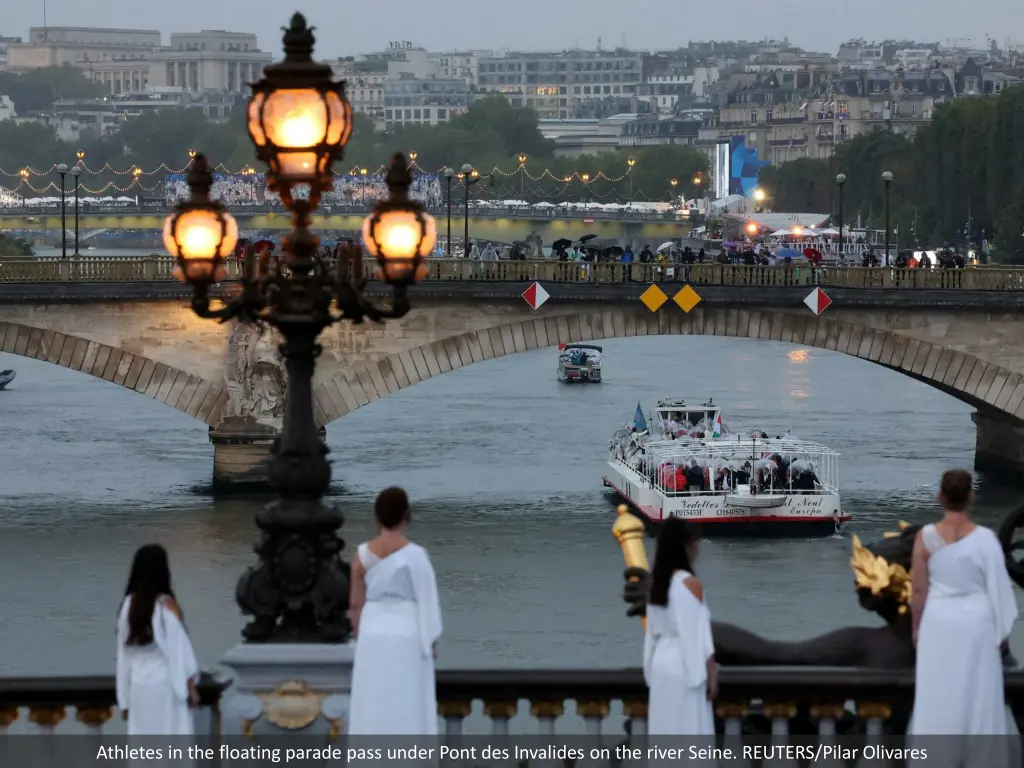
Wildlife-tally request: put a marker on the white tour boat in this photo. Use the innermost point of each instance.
(579, 362)
(686, 463)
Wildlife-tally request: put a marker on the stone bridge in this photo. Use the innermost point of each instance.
(142, 336)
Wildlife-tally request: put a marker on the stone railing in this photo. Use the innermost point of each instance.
(776, 701)
(101, 269)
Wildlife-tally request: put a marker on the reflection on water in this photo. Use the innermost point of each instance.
(504, 465)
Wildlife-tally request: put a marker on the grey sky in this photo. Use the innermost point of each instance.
(355, 27)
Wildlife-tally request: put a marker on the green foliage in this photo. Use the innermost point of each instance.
(14, 246)
(37, 89)
(966, 164)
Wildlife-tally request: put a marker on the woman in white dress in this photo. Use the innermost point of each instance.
(156, 666)
(963, 609)
(679, 653)
(396, 616)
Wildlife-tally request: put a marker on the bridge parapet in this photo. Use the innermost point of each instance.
(115, 269)
(610, 703)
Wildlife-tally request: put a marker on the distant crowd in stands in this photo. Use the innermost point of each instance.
(241, 190)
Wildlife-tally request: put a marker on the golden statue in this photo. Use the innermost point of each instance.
(629, 532)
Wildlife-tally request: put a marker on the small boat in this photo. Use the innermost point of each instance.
(579, 362)
(682, 461)
(6, 377)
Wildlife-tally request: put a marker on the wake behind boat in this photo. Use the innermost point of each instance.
(686, 463)
(6, 377)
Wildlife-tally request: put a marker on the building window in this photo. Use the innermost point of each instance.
(387, 114)
(416, 114)
(753, 117)
(767, 115)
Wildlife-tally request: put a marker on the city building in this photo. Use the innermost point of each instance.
(364, 85)
(6, 108)
(659, 130)
(558, 85)
(79, 47)
(210, 60)
(423, 101)
(4, 42)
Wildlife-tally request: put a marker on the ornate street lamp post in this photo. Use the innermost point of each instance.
(75, 173)
(887, 180)
(840, 182)
(449, 173)
(299, 122)
(62, 169)
(24, 173)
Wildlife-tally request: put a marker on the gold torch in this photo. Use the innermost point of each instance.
(629, 532)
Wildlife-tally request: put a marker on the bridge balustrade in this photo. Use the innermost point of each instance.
(780, 701)
(100, 269)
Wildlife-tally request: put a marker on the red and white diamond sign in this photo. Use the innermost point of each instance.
(817, 301)
(535, 296)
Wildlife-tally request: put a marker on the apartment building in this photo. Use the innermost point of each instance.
(558, 85)
(423, 101)
(364, 84)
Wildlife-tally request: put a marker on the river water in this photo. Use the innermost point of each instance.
(504, 466)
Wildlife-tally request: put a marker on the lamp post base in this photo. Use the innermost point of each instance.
(283, 688)
(241, 457)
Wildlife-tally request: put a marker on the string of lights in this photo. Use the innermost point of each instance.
(356, 171)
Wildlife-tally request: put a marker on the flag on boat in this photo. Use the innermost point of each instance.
(639, 422)
(717, 431)
(561, 347)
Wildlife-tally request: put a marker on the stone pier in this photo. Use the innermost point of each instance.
(999, 447)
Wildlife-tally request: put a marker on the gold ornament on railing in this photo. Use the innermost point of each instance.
(629, 532)
(877, 574)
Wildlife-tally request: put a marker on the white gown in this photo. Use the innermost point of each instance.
(393, 689)
(152, 680)
(969, 612)
(677, 647)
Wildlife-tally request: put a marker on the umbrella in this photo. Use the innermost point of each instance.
(665, 246)
(781, 233)
(788, 253)
(828, 232)
(260, 244)
(560, 244)
(614, 250)
(813, 255)
(585, 238)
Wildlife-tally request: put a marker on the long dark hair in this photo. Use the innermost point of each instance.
(671, 555)
(149, 579)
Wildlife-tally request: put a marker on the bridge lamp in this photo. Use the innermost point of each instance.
(521, 157)
(299, 119)
(751, 229)
(191, 154)
(80, 154)
(759, 195)
(674, 183)
(413, 155)
(585, 177)
(399, 232)
(200, 234)
(299, 122)
(631, 162)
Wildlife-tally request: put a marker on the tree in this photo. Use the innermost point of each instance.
(14, 246)
(37, 89)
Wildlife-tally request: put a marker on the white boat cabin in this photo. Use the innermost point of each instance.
(675, 417)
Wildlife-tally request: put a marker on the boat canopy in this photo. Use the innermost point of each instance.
(580, 346)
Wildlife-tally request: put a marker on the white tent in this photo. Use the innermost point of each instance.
(515, 203)
(543, 205)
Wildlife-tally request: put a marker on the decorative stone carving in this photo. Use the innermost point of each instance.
(292, 706)
(255, 378)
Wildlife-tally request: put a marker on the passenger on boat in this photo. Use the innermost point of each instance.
(803, 476)
(694, 476)
(741, 476)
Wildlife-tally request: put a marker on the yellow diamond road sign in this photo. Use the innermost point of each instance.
(687, 298)
(653, 298)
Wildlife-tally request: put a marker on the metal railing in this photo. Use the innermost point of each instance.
(106, 269)
(778, 701)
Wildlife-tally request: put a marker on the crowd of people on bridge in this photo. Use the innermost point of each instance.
(962, 609)
(240, 190)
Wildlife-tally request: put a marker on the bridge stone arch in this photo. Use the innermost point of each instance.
(982, 384)
(199, 398)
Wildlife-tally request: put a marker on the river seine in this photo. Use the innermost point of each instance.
(504, 466)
